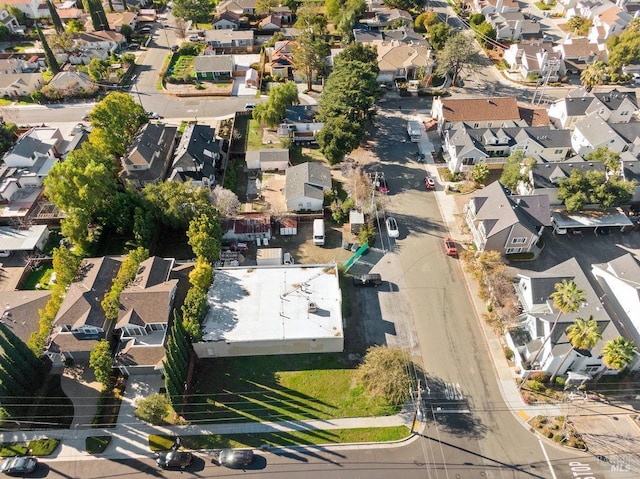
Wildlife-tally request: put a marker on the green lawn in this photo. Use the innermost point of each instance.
(255, 138)
(41, 275)
(183, 66)
(288, 438)
(279, 388)
(300, 154)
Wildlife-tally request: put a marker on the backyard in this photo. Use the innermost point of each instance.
(280, 388)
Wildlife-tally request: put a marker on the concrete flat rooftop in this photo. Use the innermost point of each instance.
(273, 303)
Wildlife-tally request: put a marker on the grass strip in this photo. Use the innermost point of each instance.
(37, 447)
(283, 438)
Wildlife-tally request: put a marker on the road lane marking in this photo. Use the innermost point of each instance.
(546, 456)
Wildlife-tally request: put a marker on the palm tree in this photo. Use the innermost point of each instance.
(593, 75)
(567, 298)
(582, 335)
(617, 354)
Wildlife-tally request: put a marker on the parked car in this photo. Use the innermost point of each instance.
(249, 106)
(371, 279)
(392, 227)
(382, 186)
(173, 459)
(175, 48)
(234, 246)
(429, 183)
(145, 29)
(154, 116)
(18, 465)
(233, 457)
(450, 247)
(5, 253)
(195, 38)
(133, 46)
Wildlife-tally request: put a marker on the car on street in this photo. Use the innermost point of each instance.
(450, 247)
(174, 459)
(392, 227)
(18, 465)
(382, 186)
(133, 46)
(249, 106)
(371, 279)
(152, 115)
(196, 38)
(233, 458)
(145, 29)
(429, 183)
(174, 48)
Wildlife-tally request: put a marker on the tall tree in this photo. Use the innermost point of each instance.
(101, 361)
(204, 236)
(49, 57)
(175, 203)
(593, 75)
(115, 120)
(197, 11)
(567, 298)
(309, 55)
(65, 264)
(273, 110)
(55, 18)
(582, 334)
(100, 15)
(459, 53)
(617, 354)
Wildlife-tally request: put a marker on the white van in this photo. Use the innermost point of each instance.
(318, 232)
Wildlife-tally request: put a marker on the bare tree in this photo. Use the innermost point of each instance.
(225, 201)
(180, 28)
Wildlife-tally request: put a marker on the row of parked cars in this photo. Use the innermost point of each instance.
(178, 459)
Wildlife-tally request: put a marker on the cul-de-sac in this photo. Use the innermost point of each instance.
(320, 239)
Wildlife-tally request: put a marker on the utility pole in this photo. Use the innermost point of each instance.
(418, 414)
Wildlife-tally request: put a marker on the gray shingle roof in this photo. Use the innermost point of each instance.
(213, 63)
(546, 175)
(307, 179)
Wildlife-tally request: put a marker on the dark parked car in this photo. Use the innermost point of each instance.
(372, 279)
(18, 465)
(173, 459)
(233, 457)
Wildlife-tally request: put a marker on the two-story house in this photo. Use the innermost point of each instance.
(226, 20)
(300, 124)
(539, 346)
(240, 7)
(477, 112)
(148, 158)
(614, 106)
(534, 58)
(31, 8)
(578, 53)
(197, 156)
(592, 132)
(229, 38)
(505, 223)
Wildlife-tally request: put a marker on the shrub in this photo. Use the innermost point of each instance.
(526, 256)
(536, 385)
(508, 353)
(539, 376)
(560, 381)
(558, 437)
(549, 434)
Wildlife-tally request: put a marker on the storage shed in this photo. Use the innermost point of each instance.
(288, 227)
(269, 257)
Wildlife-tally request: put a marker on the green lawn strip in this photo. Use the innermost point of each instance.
(37, 447)
(255, 138)
(97, 444)
(41, 275)
(284, 438)
(321, 386)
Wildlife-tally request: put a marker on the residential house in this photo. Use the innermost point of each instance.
(508, 224)
(300, 123)
(148, 158)
(512, 25)
(106, 40)
(534, 59)
(145, 309)
(478, 112)
(305, 186)
(609, 22)
(486, 7)
(620, 281)
(214, 67)
(592, 132)
(16, 65)
(537, 333)
(402, 62)
(11, 22)
(70, 13)
(71, 83)
(229, 38)
(534, 116)
(21, 309)
(247, 228)
(285, 13)
(544, 178)
(386, 17)
(614, 107)
(578, 53)
(240, 7)
(117, 19)
(14, 85)
(281, 62)
(197, 156)
(271, 23)
(226, 20)
(268, 159)
(31, 8)
(466, 146)
(631, 172)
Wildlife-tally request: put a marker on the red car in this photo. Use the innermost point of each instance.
(429, 183)
(450, 247)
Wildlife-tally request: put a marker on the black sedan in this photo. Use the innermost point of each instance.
(19, 465)
(174, 459)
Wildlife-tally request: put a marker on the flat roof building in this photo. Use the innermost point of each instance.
(273, 310)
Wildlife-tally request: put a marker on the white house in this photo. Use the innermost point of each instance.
(592, 132)
(14, 85)
(534, 58)
(268, 159)
(614, 106)
(31, 8)
(305, 186)
(275, 310)
(27, 239)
